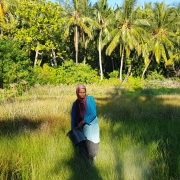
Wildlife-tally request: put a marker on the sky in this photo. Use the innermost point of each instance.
(140, 2)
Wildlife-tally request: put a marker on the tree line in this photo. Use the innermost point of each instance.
(113, 41)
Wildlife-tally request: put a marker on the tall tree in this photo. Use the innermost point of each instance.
(79, 22)
(128, 33)
(164, 18)
(105, 18)
(39, 23)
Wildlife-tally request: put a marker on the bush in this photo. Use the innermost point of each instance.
(114, 74)
(68, 73)
(155, 75)
(16, 67)
(133, 83)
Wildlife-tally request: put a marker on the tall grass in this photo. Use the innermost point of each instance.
(139, 135)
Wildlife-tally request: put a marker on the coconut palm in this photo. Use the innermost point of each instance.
(79, 22)
(160, 46)
(128, 33)
(104, 17)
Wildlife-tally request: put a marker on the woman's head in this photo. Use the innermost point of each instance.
(81, 91)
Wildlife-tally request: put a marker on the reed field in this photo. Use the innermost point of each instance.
(139, 131)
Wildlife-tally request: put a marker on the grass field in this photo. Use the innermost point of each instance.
(140, 136)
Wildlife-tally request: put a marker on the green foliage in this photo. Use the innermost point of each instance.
(79, 73)
(155, 75)
(15, 66)
(42, 25)
(133, 83)
(68, 73)
(39, 27)
(114, 74)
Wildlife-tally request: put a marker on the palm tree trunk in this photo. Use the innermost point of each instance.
(85, 53)
(128, 72)
(100, 58)
(85, 47)
(145, 69)
(76, 42)
(121, 64)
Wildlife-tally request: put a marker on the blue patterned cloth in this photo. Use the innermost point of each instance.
(91, 128)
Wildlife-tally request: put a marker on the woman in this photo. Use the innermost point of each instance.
(84, 117)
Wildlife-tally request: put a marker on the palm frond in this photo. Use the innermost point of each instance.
(128, 51)
(168, 42)
(130, 39)
(86, 29)
(141, 22)
(171, 60)
(146, 60)
(163, 53)
(113, 44)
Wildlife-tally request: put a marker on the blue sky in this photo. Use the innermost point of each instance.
(140, 2)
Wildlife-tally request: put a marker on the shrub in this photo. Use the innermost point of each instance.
(155, 75)
(114, 74)
(68, 73)
(15, 66)
(133, 83)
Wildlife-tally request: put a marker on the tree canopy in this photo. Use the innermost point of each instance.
(130, 39)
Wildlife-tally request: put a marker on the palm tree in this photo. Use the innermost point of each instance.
(79, 22)
(129, 32)
(105, 18)
(164, 18)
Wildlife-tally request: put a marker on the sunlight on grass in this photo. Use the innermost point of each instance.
(172, 100)
(139, 136)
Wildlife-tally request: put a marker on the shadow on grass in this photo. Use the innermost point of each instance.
(80, 167)
(145, 118)
(11, 127)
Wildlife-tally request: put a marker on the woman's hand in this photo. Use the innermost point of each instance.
(81, 124)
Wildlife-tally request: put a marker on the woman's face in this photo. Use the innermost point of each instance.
(82, 93)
